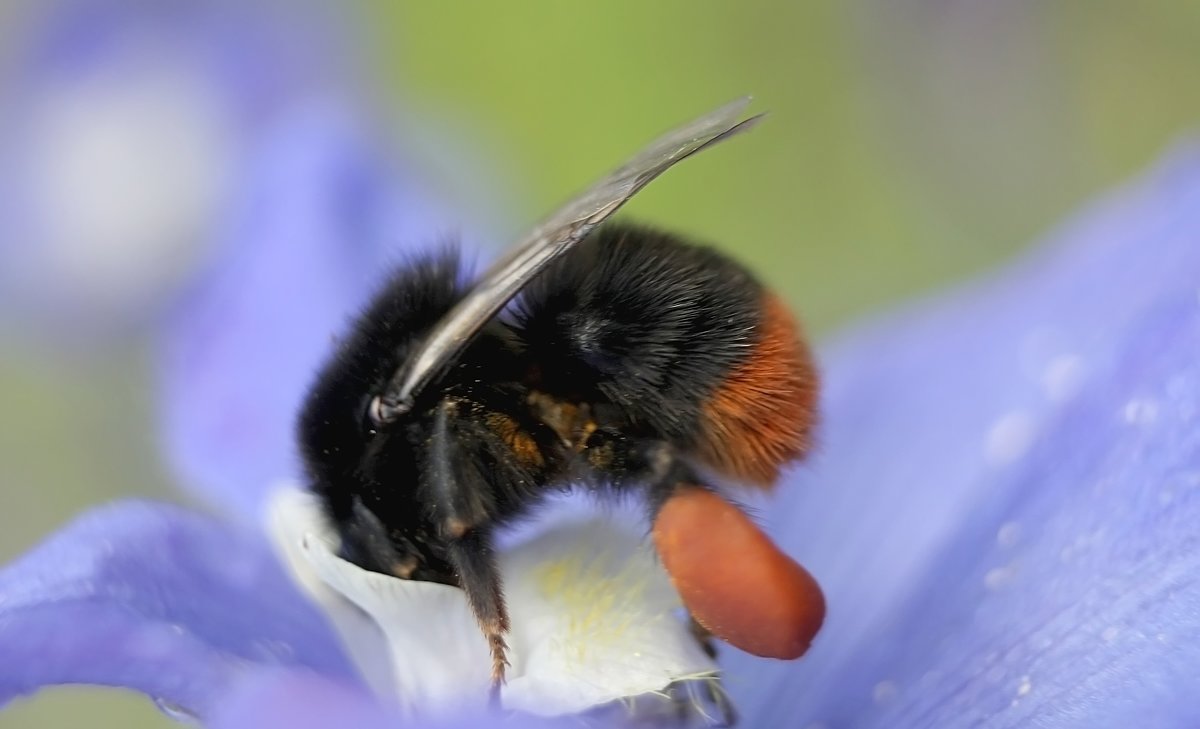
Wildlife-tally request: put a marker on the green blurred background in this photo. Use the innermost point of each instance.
(910, 143)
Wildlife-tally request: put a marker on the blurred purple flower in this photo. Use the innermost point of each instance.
(158, 590)
(1002, 512)
(123, 126)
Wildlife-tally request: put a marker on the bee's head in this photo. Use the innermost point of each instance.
(362, 466)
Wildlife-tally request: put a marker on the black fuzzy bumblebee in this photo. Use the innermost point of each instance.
(631, 359)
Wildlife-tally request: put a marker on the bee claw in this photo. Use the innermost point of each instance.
(691, 702)
(714, 692)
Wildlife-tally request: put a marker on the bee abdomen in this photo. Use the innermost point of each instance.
(682, 340)
(761, 415)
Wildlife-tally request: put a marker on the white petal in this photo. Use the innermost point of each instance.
(414, 642)
(292, 516)
(593, 617)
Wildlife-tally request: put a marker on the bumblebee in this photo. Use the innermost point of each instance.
(610, 357)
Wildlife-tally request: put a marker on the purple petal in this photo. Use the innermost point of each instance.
(319, 220)
(1070, 595)
(1000, 514)
(300, 700)
(154, 598)
(262, 51)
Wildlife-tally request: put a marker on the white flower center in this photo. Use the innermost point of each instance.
(594, 618)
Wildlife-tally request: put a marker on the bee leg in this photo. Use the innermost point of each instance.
(688, 702)
(463, 507)
(473, 559)
(704, 637)
(704, 697)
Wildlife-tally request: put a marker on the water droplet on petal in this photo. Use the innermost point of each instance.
(999, 577)
(176, 711)
(1061, 377)
(884, 692)
(1009, 438)
(1140, 411)
(1009, 534)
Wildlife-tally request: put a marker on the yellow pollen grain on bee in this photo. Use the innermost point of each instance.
(523, 446)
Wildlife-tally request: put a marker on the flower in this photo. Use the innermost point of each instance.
(594, 618)
(124, 126)
(1001, 511)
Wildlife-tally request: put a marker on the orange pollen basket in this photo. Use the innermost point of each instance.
(734, 580)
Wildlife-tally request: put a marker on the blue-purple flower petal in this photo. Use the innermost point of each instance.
(151, 597)
(1002, 512)
(321, 218)
(263, 52)
(299, 700)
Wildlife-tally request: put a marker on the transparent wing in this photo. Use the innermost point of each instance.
(553, 237)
